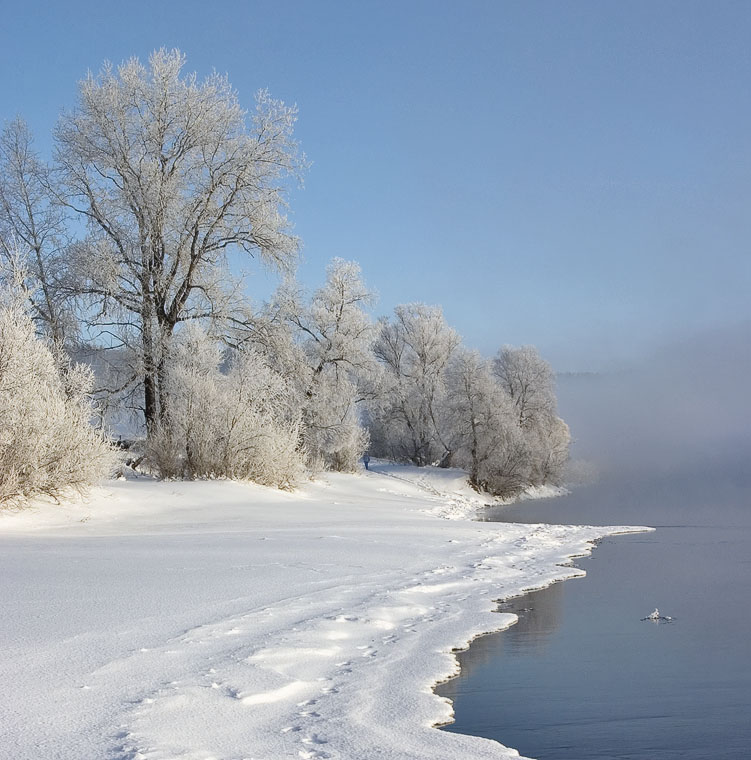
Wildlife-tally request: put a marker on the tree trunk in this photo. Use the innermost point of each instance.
(151, 410)
(150, 389)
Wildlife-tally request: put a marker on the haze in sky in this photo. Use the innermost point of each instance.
(571, 175)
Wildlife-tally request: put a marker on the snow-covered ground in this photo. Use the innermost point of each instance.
(229, 621)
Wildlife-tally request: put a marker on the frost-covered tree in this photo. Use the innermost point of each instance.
(336, 336)
(334, 437)
(171, 178)
(47, 444)
(441, 403)
(243, 424)
(32, 219)
(490, 445)
(408, 421)
(336, 330)
(549, 446)
(324, 345)
(530, 383)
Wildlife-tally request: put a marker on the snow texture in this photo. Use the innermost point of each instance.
(226, 621)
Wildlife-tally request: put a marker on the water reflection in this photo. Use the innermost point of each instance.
(539, 615)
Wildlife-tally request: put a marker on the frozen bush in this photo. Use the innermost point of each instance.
(47, 444)
(241, 425)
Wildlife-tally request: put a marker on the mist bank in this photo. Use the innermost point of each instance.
(678, 411)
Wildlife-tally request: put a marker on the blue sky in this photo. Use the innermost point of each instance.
(572, 175)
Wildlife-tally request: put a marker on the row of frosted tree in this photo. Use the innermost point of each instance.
(126, 253)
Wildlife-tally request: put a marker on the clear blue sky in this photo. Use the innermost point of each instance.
(576, 175)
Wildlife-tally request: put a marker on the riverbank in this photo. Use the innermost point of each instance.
(223, 620)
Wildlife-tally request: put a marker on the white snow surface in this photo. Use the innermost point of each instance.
(227, 621)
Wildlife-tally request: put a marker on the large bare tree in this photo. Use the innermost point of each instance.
(171, 179)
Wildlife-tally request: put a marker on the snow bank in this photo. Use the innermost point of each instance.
(217, 620)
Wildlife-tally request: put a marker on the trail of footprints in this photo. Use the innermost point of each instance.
(303, 671)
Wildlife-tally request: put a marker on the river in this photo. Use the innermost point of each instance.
(581, 675)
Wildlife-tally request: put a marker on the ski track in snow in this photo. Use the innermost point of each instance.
(339, 656)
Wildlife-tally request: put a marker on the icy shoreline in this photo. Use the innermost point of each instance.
(219, 620)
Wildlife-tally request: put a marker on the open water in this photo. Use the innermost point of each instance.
(581, 675)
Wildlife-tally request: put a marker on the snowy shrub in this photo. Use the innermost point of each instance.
(47, 444)
(261, 424)
(241, 425)
(506, 470)
(183, 443)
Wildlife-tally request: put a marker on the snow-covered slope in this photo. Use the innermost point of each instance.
(221, 620)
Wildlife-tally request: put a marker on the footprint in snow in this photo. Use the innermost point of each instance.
(314, 739)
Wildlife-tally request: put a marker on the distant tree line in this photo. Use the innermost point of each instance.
(117, 255)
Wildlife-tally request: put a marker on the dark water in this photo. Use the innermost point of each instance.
(581, 675)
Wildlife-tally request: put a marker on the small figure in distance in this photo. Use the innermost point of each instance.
(657, 618)
(366, 459)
